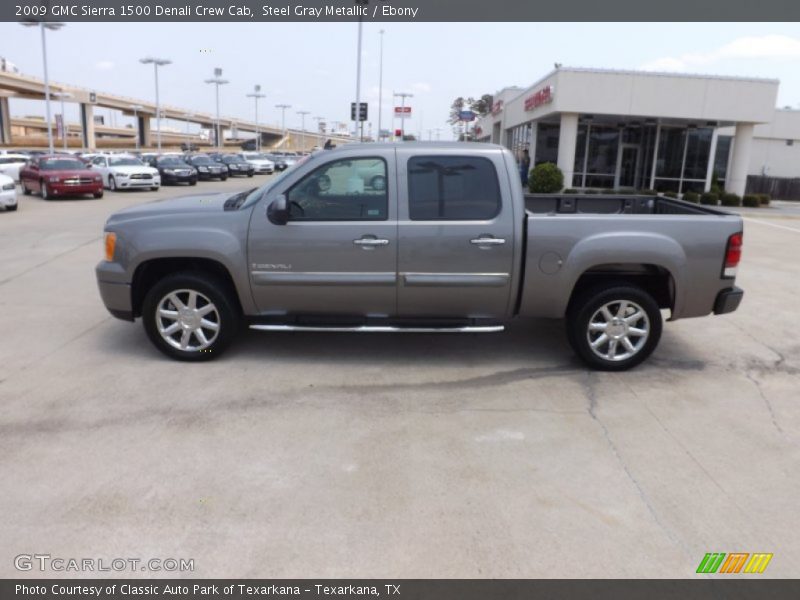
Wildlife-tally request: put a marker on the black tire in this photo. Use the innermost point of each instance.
(193, 182)
(25, 189)
(12, 208)
(98, 195)
(587, 307)
(249, 174)
(154, 189)
(224, 178)
(225, 315)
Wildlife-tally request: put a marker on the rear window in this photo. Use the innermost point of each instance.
(452, 188)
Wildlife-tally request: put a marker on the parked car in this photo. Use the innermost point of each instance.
(237, 165)
(455, 247)
(207, 168)
(11, 164)
(57, 175)
(280, 163)
(174, 170)
(260, 162)
(126, 172)
(8, 193)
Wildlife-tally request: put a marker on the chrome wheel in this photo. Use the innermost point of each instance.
(187, 320)
(618, 330)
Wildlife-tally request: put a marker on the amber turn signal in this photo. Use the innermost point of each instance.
(111, 243)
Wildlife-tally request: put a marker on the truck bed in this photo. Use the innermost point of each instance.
(598, 204)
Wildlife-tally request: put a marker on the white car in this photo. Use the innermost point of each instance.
(8, 193)
(122, 172)
(10, 164)
(261, 163)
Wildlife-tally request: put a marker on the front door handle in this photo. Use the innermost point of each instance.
(487, 241)
(371, 242)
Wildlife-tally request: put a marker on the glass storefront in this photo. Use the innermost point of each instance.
(546, 143)
(682, 160)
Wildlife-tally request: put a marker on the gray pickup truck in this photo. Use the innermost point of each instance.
(416, 237)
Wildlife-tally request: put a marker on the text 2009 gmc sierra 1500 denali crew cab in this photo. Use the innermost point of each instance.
(416, 237)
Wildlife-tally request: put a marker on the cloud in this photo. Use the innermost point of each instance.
(773, 46)
(104, 65)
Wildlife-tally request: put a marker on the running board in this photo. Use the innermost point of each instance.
(382, 329)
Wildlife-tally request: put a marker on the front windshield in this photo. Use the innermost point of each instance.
(57, 164)
(231, 158)
(202, 160)
(125, 162)
(171, 162)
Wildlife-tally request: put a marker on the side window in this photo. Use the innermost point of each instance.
(100, 161)
(343, 190)
(452, 188)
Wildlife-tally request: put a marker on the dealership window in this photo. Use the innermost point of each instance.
(546, 143)
(452, 188)
(682, 159)
(518, 139)
(724, 143)
(596, 156)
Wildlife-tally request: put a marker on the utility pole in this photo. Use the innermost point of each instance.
(156, 62)
(218, 81)
(257, 95)
(380, 91)
(52, 27)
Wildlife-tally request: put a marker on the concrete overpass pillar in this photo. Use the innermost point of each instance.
(5, 121)
(567, 141)
(736, 179)
(145, 138)
(87, 125)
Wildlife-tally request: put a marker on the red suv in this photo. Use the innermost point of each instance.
(60, 175)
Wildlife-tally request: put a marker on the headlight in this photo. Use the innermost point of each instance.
(98, 178)
(120, 174)
(9, 186)
(53, 179)
(111, 244)
(169, 171)
(203, 169)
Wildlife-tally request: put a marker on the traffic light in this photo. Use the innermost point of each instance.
(362, 111)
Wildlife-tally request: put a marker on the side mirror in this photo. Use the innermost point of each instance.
(278, 211)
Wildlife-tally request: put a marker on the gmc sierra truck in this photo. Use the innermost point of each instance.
(417, 237)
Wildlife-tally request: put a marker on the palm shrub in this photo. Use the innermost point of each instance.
(545, 178)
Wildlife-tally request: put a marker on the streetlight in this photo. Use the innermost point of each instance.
(63, 96)
(257, 95)
(380, 90)
(402, 96)
(217, 81)
(136, 108)
(303, 114)
(156, 62)
(283, 108)
(52, 27)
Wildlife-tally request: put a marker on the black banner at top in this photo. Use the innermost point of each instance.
(399, 10)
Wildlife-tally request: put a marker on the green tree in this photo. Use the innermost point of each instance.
(483, 105)
(456, 107)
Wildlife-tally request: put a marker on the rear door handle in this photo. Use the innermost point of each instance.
(487, 241)
(369, 242)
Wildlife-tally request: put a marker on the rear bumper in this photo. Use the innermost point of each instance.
(728, 300)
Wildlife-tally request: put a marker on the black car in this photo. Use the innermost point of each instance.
(207, 168)
(237, 165)
(173, 169)
(280, 163)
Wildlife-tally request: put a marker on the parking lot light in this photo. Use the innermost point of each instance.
(156, 62)
(52, 27)
(257, 95)
(217, 80)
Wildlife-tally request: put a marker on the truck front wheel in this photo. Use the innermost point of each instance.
(614, 327)
(190, 316)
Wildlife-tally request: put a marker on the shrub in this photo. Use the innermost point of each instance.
(715, 186)
(763, 199)
(729, 199)
(647, 192)
(546, 178)
(608, 191)
(670, 194)
(709, 198)
(751, 201)
(692, 197)
(570, 191)
(590, 191)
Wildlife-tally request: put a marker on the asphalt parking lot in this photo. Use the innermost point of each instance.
(339, 455)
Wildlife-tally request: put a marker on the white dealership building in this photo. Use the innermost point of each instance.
(645, 130)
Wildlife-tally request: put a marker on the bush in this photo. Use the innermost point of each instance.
(728, 199)
(692, 197)
(647, 192)
(763, 199)
(751, 201)
(608, 191)
(670, 194)
(709, 198)
(570, 191)
(591, 191)
(546, 178)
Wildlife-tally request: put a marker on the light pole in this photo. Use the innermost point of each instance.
(63, 96)
(403, 96)
(283, 108)
(217, 81)
(136, 108)
(380, 90)
(257, 95)
(188, 116)
(303, 114)
(358, 75)
(156, 62)
(52, 27)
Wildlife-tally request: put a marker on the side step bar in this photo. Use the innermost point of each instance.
(382, 329)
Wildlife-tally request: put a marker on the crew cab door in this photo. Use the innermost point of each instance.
(337, 254)
(457, 234)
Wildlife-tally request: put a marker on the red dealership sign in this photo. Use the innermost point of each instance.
(543, 96)
(400, 111)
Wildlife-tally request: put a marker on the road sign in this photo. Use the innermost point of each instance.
(402, 111)
(466, 115)
(362, 112)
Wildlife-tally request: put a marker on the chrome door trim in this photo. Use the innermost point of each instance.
(455, 279)
(322, 278)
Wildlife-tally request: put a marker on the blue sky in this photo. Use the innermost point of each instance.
(312, 66)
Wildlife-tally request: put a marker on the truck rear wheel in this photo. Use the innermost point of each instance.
(614, 327)
(190, 316)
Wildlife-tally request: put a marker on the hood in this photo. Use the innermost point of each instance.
(68, 173)
(134, 169)
(186, 205)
